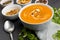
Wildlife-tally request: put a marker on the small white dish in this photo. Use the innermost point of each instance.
(9, 8)
(39, 2)
(4, 1)
(23, 4)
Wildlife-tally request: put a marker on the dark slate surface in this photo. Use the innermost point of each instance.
(17, 23)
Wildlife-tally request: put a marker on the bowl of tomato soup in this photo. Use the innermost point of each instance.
(36, 16)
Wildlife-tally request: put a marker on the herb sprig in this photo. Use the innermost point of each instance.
(27, 35)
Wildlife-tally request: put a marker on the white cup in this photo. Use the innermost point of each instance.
(40, 26)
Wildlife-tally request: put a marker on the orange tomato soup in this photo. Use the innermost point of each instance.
(36, 14)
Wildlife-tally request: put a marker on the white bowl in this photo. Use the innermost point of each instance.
(3, 1)
(8, 8)
(24, 4)
(39, 26)
(43, 3)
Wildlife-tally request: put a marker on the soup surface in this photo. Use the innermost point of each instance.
(35, 14)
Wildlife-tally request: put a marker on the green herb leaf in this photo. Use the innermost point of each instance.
(56, 17)
(27, 35)
(56, 36)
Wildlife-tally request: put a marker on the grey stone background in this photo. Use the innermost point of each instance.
(18, 25)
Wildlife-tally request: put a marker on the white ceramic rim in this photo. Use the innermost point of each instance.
(36, 23)
(23, 4)
(8, 6)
